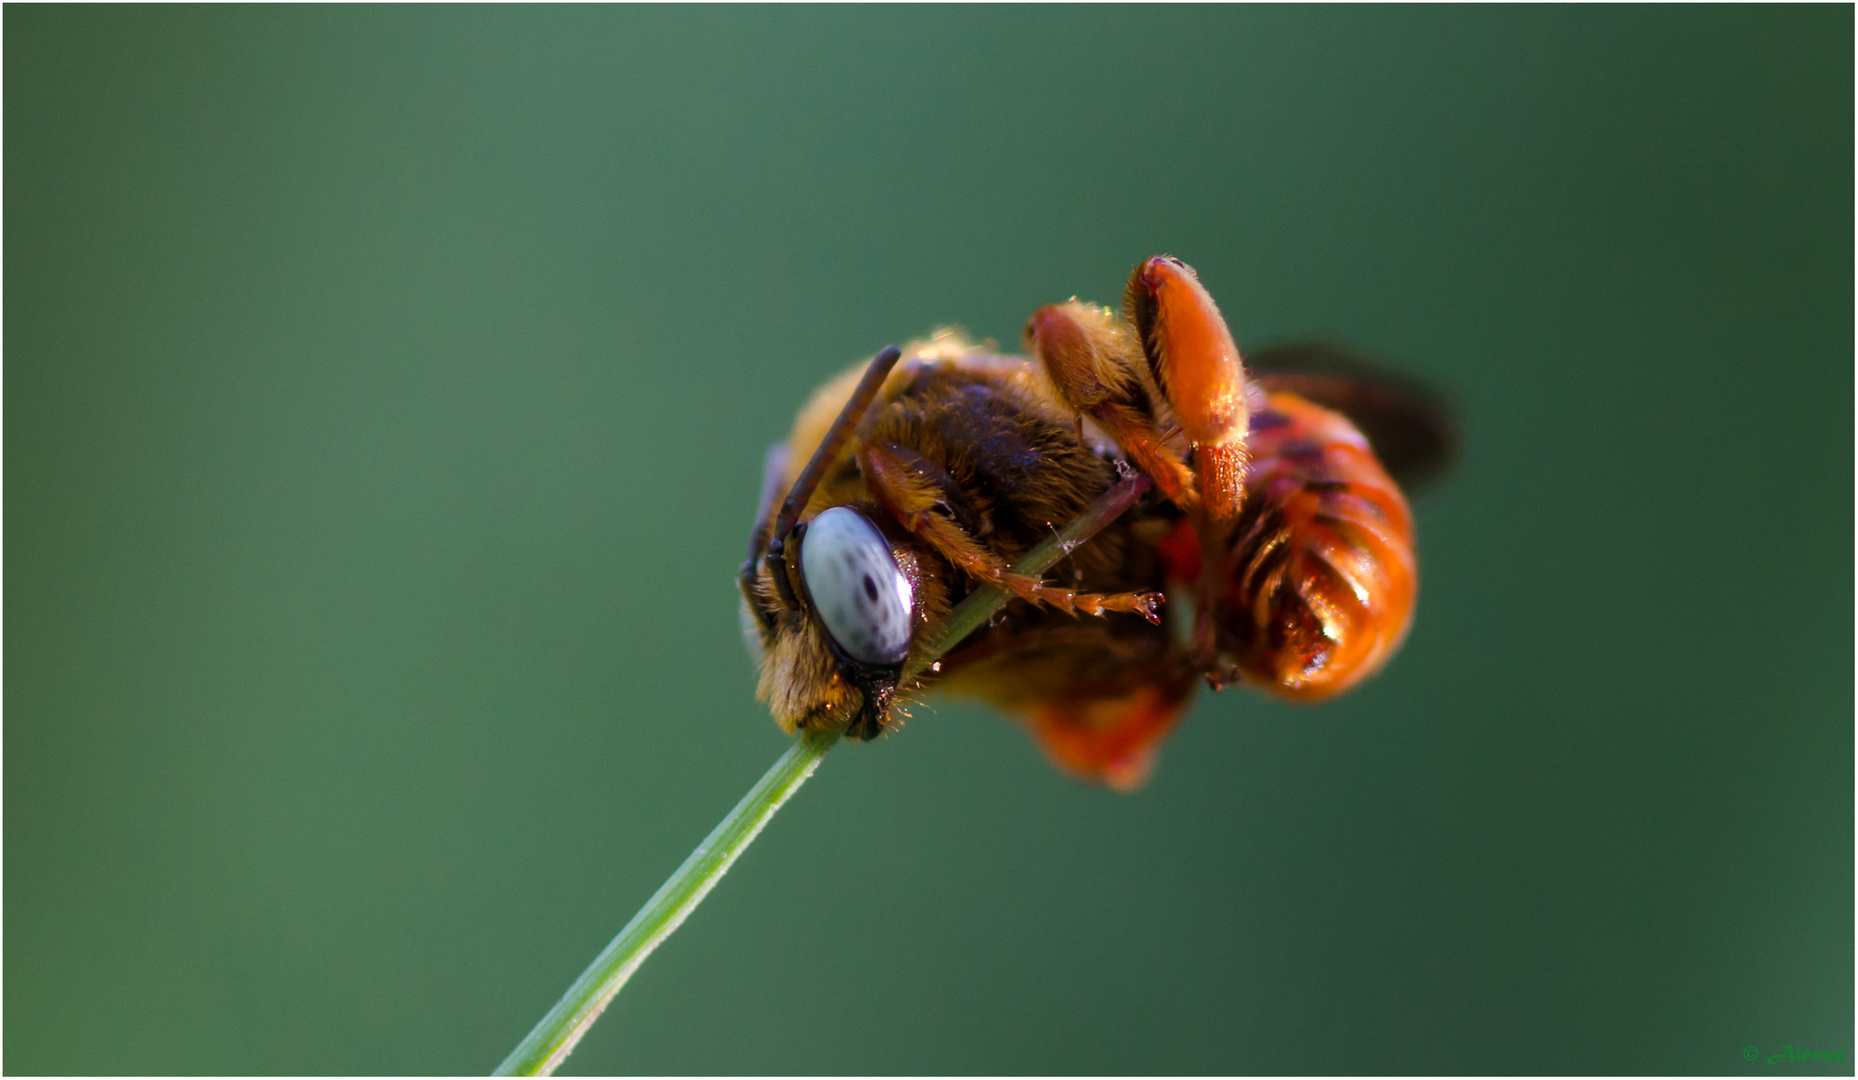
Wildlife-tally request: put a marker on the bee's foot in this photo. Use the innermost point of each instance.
(1204, 653)
(1219, 676)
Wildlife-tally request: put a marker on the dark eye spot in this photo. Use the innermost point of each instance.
(870, 589)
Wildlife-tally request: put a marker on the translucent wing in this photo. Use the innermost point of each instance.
(1410, 425)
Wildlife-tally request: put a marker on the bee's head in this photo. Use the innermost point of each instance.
(833, 610)
(833, 603)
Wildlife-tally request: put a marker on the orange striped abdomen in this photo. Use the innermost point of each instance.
(1323, 574)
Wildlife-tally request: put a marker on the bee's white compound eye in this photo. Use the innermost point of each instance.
(860, 595)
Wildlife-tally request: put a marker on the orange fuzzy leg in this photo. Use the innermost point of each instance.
(1197, 365)
(1086, 352)
(1090, 358)
(1139, 438)
(914, 503)
(1222, 472)
(1195, 361)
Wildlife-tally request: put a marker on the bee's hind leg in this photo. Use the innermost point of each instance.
(905, 485)
(1192, 357)
(1173, 360)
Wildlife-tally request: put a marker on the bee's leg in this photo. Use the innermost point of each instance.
(1094, 364)
(905, 484)
(1196, 365)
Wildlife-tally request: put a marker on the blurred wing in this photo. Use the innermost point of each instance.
(1409, 424)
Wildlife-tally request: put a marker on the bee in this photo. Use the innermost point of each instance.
(923, 475)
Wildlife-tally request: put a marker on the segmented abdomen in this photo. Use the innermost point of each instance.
(1322, 569)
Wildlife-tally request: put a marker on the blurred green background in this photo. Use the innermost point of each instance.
(385, 395)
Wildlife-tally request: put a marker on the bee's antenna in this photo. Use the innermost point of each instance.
(834, 441)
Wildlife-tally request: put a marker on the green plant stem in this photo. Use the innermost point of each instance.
(553, 1039)
(542, 1051)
